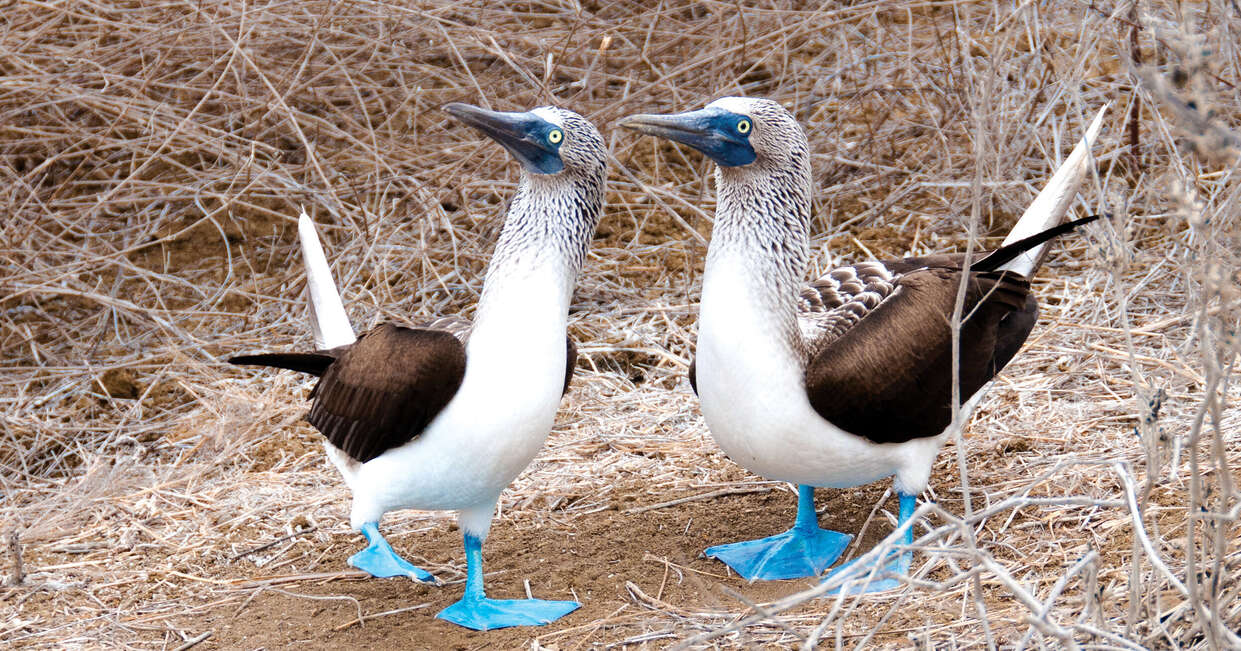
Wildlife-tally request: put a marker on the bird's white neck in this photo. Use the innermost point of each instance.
(759, 251)
(750, 354)
(537, 259)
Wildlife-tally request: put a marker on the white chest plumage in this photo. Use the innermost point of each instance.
(498, 419)
(753, 396)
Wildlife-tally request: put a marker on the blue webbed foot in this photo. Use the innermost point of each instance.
(866, 580)
(790, 555)
(482, 614)
(381, 561)
(805, 550)
(476, 611)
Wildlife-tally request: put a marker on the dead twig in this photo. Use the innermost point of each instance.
(273, 543)
(323, 577)
(194, 641)
(366, 618)
(696, 498)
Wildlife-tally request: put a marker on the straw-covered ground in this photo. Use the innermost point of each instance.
(154, 156)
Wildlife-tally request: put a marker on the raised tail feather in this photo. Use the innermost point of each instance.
(327, 313)
(1003, 257)
(312, 363)
(1052, 203)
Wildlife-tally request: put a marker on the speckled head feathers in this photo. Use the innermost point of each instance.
(560, 197)
(547, 141)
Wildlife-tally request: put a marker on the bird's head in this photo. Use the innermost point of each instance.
(548, 140)
(732, 131)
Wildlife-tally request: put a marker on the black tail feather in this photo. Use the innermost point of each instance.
(312, 363)
(1006, 254)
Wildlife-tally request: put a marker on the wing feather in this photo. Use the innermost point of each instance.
(569, 364)
(888, 377)
(838, 301)
(384, 390)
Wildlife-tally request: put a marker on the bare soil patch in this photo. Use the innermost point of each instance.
(593, 558)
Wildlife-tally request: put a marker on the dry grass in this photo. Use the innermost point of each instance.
(153, 157)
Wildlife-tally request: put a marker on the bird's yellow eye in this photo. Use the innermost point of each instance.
(743, 127)
(555, 136)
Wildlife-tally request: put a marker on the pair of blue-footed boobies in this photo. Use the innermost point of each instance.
(445, 417)
(842, 382)
(849, 379)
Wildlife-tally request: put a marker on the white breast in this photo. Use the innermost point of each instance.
(753, 397)
(498, 420)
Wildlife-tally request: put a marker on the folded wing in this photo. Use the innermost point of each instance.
(383, 391)
(889, 377)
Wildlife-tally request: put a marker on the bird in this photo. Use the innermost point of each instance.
(445, 416)
(847, 379)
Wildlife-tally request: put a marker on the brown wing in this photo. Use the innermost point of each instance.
(889, 377)
(383, 390)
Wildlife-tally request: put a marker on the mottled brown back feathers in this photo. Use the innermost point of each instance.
(889, 378)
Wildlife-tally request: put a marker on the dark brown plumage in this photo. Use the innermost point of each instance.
(379, 392)
(570, 357)
(888, 377)
(383, 390)
(312, 363)
(879, 364)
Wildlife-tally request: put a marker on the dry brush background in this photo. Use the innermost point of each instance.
(154, 156)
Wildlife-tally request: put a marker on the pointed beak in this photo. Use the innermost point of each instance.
(709, 130)
(687, 128)
(520, 133)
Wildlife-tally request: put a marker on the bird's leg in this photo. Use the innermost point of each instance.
(805, 550)
(476, 611)
(381, 561)
(876, 578)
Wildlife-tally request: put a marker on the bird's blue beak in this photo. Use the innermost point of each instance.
(533, 141)
(722, 135)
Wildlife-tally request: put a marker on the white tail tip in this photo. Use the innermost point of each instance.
(1052, 204)
(327, 313)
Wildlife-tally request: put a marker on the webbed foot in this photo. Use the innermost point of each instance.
(483, 614)
(790, 555)
(381, 561)
(805, 550)
(865, 579)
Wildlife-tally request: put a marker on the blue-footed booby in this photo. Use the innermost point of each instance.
(446, 416)
(848, 379)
